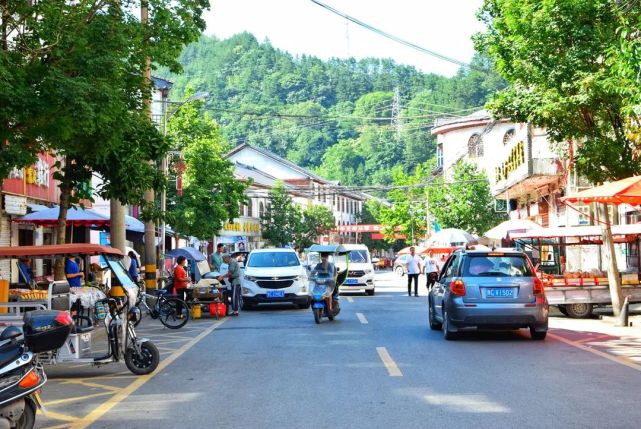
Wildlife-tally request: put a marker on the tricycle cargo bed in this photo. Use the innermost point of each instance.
(588, 294)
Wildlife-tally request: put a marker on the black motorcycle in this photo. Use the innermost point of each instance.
(21, 374)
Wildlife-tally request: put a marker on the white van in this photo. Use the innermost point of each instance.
(361, 270)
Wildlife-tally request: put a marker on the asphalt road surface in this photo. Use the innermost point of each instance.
(376, 366)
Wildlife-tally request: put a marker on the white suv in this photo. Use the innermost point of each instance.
(274, 276)
(361, 270)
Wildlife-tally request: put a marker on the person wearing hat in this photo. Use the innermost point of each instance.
(233, 274)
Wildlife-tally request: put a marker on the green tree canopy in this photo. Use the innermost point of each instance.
(466, 203)
(557, 57)
(316, 220)
(281, 220)
(210, 194)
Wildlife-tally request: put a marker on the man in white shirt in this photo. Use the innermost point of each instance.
(414, 266)
(431, 270)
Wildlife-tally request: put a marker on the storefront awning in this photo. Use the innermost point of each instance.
(577, 231)
(76, 216)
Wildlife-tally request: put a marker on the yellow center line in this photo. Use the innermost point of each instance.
(98, 412)
(75, 399)
(83, 382)
(362, 318)
(593, 338)
(622, 360)
(392, 368)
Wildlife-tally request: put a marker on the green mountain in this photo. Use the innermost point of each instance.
(333, 116)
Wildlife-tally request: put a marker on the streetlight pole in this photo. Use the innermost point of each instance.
(165, 162)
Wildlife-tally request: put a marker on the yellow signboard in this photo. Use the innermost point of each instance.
(515, 159)
(242, 227)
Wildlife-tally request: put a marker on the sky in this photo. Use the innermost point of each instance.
(302, 27)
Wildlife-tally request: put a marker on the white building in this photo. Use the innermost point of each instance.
(525, 175)
(305, 188)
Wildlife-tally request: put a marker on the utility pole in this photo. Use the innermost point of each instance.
(150, 226)
(396, 112)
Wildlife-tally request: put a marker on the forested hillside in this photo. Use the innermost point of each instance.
(333, 117)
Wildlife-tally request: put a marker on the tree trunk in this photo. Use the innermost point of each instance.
(118, 234)
(614, 279)
(61, 238)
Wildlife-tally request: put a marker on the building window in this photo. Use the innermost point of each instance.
(508, 136)
(475, 146)
(250, 208)
(439, 155)
(261, 209)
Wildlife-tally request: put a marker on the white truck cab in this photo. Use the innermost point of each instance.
(360, 277)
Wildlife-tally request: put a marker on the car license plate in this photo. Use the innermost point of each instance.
(351, 281)
(275, 294)
(499, 292)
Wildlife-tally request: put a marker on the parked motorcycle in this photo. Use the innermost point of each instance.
(21, 374)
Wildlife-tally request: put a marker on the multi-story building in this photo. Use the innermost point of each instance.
(526, 177)
(305, 188)
(27, 189)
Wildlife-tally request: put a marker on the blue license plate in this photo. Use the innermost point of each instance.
(499, 292)
(275, 294)
(351, 281)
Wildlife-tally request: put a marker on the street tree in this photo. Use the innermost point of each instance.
(316, 220)
(407, 214)
(563, 60)
(210, 193)
(281, 220)
(466, 202)
(77, 68)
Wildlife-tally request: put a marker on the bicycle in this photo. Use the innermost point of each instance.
(165, 309)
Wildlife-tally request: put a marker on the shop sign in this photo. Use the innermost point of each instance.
(241, 227)
(515, 159)
(35, 181)
(15, 205)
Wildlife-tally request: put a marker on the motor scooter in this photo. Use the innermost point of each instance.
(21, 374)
(324, 284)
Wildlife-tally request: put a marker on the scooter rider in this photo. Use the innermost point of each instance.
(327, 267)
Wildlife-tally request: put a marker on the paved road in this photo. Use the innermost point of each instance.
(377, 365)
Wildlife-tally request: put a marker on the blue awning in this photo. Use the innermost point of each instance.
(76, 216)
(133, 224)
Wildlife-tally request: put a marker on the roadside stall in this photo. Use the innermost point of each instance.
(205, 291)
(570, 262)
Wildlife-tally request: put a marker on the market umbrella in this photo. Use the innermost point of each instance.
(406, 250)
(76, 216)
(625, 191)
(501, 230)
(450, 237)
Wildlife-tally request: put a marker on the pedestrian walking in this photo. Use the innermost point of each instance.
(431, 270)
(133, 268)
(233, 274)
(414, 266)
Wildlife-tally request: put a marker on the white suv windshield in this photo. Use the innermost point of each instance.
(358, 256)
(273, 259)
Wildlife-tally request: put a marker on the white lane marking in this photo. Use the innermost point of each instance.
(392, 368)
(362, 318)
(622, 360)
(349, 299)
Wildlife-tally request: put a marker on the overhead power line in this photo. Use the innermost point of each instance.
(395, 38)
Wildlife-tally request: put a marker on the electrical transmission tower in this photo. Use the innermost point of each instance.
(396, 121)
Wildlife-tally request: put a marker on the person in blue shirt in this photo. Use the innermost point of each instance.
(133, 268)
(73, 273)
(26, 275)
